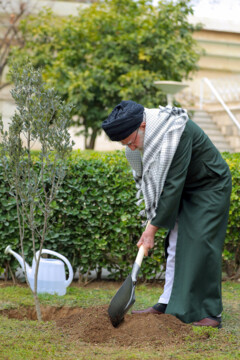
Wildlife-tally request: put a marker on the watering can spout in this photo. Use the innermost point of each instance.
(8, 250)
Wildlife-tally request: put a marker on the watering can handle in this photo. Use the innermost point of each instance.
(51, 252)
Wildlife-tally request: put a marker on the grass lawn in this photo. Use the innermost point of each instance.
(42, 340)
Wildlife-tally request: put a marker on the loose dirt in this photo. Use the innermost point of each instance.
(92, 325)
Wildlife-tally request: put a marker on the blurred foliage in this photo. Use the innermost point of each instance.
(112, 50)
(95, 221)
(231, 253)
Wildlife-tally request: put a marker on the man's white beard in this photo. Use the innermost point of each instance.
(141, 134)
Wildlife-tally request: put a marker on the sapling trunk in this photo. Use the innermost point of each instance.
(12, 274)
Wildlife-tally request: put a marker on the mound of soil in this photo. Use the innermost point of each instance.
(92, 325)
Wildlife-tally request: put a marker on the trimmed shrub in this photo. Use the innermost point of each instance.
(231, 252)
(95, 221)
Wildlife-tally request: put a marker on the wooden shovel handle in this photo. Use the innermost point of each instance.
(140, 254)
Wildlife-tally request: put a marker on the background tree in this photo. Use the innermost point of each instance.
(12, 12)
(34, 181)
(112, 50)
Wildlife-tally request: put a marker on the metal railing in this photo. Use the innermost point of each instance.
(219, 98)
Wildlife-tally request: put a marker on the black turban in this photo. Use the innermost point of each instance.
(125, 118)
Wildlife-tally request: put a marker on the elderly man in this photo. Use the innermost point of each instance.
(186, 187)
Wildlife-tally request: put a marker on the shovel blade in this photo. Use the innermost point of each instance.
(122, 301)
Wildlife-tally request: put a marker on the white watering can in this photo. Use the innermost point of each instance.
(51, 272)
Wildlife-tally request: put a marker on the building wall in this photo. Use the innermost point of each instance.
(222, 53)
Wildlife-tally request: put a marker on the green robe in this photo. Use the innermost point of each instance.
(197, 193)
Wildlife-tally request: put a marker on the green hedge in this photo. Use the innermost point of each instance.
(95, 221)
(231, 253)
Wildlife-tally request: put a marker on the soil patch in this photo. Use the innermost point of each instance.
(92, 325)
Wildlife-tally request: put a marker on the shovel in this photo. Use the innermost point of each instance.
(125, 296)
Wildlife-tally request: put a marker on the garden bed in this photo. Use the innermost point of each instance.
(92, 325)
(76, 326)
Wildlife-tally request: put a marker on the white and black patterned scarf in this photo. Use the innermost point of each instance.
(164, 127)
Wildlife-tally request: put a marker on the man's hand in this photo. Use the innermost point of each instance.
(147, 238)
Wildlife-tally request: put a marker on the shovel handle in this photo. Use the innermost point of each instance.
(140, 254)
